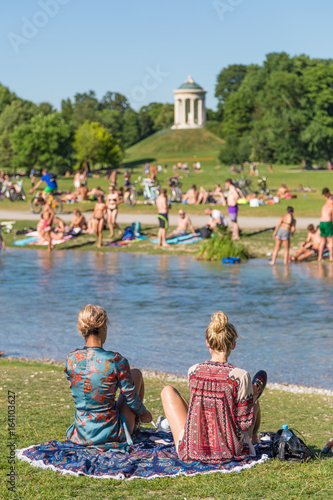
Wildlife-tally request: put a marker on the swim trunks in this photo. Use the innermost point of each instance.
(163, 220)
(233, 211)
(49, 190)
(283, 234)
(326, 229)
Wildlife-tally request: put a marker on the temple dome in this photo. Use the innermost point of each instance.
(190, 84)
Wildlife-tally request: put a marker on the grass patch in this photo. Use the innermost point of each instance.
(220, 246)
(258, 244)
(44, 410)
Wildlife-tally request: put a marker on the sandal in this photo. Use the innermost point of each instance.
(260, 379)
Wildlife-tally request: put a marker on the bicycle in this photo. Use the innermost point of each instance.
(132, 196)
(176, 192)
(150, 192)
(54, 202)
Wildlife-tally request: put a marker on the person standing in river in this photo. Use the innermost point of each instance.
(282, 233)
(163, 210)
(233, 196)
(326, 228)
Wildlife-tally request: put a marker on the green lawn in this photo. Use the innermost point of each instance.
(305, 205)
(260, 243)
(44, 410)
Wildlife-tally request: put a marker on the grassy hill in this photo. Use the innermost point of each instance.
(173, 145)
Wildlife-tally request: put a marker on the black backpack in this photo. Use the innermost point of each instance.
(292, 450)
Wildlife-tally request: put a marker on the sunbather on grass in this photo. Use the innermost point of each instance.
(223, 415)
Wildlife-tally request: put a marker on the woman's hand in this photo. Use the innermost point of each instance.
(146, 417)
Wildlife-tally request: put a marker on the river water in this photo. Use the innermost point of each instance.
(159, 307)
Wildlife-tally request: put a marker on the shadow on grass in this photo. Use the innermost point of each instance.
(135, 163)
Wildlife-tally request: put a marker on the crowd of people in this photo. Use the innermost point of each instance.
(224, 428)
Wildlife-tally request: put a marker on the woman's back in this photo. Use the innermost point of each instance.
(221, 406)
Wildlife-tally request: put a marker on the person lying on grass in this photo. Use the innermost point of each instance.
(224, 413)
(94, 376)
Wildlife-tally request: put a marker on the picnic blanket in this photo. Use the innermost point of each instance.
(35, 239)
(185, 239)
(147, 460)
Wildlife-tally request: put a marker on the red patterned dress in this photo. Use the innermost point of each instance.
(220, 411)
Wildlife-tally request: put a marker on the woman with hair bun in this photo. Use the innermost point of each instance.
(94, 376)
(223, 414)
(282, 233)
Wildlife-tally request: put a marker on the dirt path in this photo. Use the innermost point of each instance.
(151, 219)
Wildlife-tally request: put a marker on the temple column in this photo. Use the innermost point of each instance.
(200, 112)
(184, 112)
(191, 121)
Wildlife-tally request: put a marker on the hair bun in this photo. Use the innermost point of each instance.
(219, 320)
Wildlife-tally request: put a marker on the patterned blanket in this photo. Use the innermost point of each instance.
(148, 459)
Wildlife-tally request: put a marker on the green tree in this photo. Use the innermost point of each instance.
(85, 107)
(6, 97)
(228, 82)
(43, 142)
(16, 113)
(114, 101)
(93, 143)
(131, 128)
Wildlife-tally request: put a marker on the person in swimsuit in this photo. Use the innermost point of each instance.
(285, 228)
(326, 228)
(79, 221)
(112, 202)
(45, 225)
(98, 220)
(163, 209)
(59, 230)
(233, 196)
(223, 417)
(184, 222)
(309, 247)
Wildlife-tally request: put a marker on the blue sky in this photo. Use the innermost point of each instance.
(146, 49)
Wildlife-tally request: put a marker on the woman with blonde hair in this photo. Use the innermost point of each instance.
(94, 375)
(223, 414)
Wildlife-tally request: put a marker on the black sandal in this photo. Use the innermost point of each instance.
(260, 379)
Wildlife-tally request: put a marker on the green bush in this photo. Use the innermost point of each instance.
(220, 246)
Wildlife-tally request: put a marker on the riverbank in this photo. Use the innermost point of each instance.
(259, 242)
(44, 410)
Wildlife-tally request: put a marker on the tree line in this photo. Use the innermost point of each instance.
(86, 128)
(279, 112)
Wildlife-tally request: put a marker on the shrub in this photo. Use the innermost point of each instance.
(220, 246)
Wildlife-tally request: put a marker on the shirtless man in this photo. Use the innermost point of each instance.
(59, 231)
(163, 209)
(309, 247)
(218, 195)
(233, 196)
(79, 221)
(326, 229)
(46, 226)
(183, 223)
(191, 197)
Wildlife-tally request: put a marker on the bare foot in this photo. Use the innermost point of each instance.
(271, 263)
(166, 245)
(120, 232)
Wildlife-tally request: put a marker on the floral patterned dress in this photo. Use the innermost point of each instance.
(94, 376)
(220, 412)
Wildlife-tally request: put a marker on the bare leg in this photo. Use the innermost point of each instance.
(100, 232)
(114, 219)
(175, 409)
(330, 247)
(254, 429)
(321, 248)
(123, 406)
(276, 251)
(286, 246)
(110, 224)
(163, 238)
(159, 236)
(235, 231)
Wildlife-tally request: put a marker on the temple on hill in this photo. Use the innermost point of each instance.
(190, 111)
